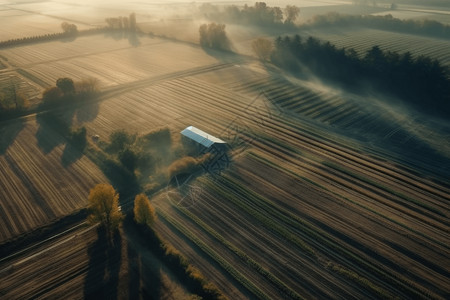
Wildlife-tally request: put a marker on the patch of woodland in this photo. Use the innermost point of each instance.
(66, 92)
(260, 14)
(420, 81)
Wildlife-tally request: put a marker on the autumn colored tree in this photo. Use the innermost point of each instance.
(103, 205)
(144, 213)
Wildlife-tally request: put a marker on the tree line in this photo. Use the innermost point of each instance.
(260, 14)
(71, 31)
(387, 22)
(421, 81)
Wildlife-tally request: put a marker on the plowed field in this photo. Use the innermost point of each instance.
(312, 208)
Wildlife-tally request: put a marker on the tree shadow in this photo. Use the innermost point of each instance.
(133, 39)
(102, 279)
(8, 134)
(95, 278)
(144, 269)
(49, 124)
(132, 36)
(70, 155)
(224, 56)
(87, 113)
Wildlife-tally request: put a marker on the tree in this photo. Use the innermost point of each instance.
(262, 48)
(70, 29)
(51, 94)
(292, 13)
(103, 205)
(144, 213)
(66, 85)
(213, 35)
(129, 159)
(119, 139)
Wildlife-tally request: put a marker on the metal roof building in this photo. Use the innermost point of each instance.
(201, 137)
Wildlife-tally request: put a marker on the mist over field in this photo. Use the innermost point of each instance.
(182, 149)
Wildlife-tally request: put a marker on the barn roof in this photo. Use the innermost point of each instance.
(201, 137)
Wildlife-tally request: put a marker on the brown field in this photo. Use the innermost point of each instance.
(80, 265)
(41, 177)
(327, 196)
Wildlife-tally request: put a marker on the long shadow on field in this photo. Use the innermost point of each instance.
(223, 56)
(8, 134)
(70, 155)
(144, 270)
(102, 279)
(133, 37)
(49, 124)
(87, 113)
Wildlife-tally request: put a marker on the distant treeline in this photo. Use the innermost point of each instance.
(260, 14)
(388, 22)
(421, 81)
(48, 37)
(71, 31)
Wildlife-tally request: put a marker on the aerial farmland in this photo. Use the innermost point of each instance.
(331, 180)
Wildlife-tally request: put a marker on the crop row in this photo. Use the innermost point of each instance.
(252, 263)
(215, 256)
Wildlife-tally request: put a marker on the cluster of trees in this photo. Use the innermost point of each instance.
(214, 36)
(421, 81)
(122, 23)
(260, 14)
(66, 89)
(11, 98)
(69, 29)
(103, 207)
(388, 22)
(135, 162)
